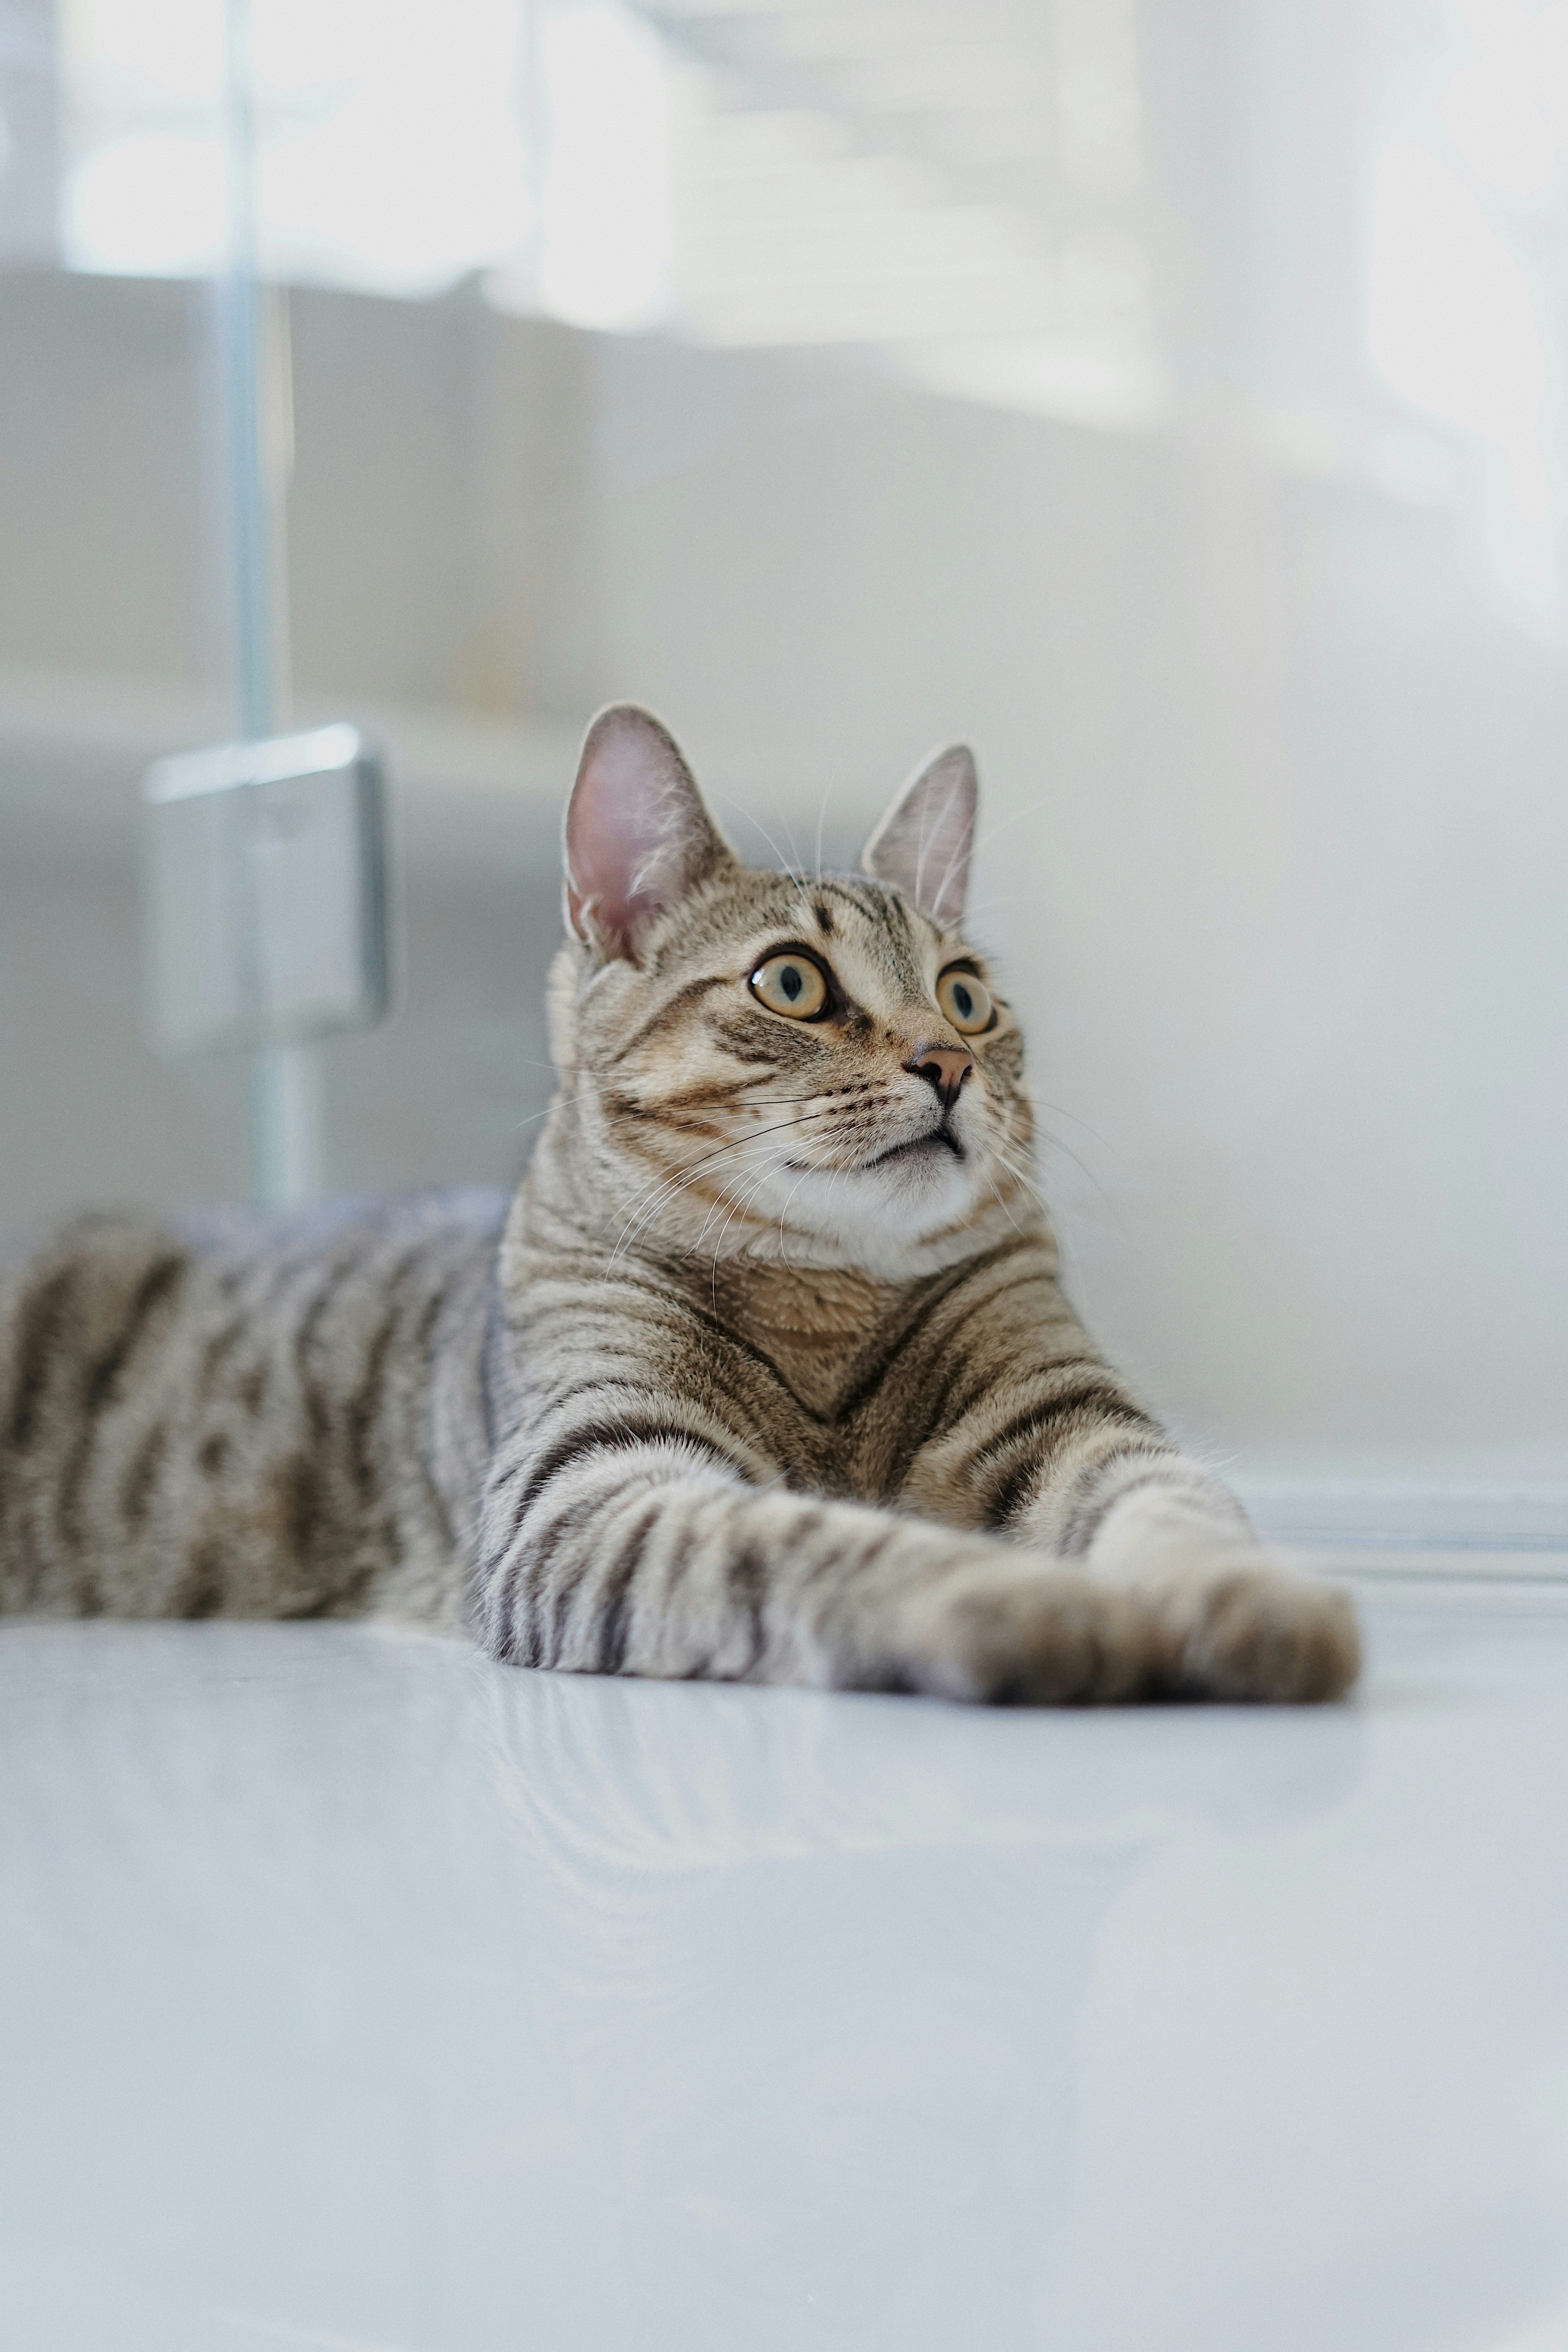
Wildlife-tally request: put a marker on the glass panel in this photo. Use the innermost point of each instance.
(115, 645)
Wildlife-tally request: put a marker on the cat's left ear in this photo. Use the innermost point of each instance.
(922, 843)
(638, 835)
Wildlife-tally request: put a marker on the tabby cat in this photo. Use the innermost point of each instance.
(764, 1375)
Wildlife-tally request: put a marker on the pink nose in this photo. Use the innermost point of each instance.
(945, 1067)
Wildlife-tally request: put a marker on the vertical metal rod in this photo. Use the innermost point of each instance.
(285, 1088)
(243, 386)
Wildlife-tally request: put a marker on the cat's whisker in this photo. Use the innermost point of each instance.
(737, 1208)
(758, 826)
(739, 1205)
(807, 911)
(673, 1187)
(1019, 1175)
(1061, 1111)
(827, 1201)
(784, 1212)
(1001, 1204)
(773, 1163)
(1018, 1171)
(995, 832)
(1055, 1143)
(750, 1102)
(532, 1119)
(668, 1187)
(736, 1143)
(821, 821)
(651, 1117)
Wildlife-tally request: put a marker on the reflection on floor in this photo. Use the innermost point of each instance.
(360, 1994)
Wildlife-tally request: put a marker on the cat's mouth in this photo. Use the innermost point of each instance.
(937, 1139)
(930, 1145)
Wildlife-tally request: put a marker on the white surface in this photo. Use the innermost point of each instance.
(358, 1993)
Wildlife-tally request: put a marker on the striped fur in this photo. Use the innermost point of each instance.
(767, 1375)
(248, 1416)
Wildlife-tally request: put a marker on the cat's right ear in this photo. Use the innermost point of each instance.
(922, 844)
(638, 835)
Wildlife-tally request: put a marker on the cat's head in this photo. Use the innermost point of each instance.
(814, 1066)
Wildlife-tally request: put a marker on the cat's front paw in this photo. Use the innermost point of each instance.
(1010, 1634)
(1231, 1625)
(1245, 1631)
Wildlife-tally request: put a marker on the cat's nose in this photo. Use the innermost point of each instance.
(945, 1068)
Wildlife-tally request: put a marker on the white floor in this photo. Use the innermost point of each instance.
(355, 1993)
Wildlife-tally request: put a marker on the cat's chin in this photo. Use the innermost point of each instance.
(870, 1216)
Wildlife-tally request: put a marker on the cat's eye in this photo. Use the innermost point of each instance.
(790, 985)
(966, 1002)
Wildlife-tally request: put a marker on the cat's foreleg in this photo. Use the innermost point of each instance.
(656, 1559)
(1153, 1524)
(1063, 1460)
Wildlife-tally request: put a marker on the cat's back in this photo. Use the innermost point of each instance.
(246, 1414)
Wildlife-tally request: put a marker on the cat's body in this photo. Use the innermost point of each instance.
(248, 1415)
(767, 1375)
